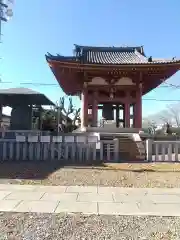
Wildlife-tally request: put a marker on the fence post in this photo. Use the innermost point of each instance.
(116, 149)
(101, 151)
(149, 149)
(94, 152)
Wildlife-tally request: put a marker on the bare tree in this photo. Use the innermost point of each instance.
(67, 114)
(171, 115)
(61, 117)
(164, 117)
(174, 111)
(168, 119)
(150, 125)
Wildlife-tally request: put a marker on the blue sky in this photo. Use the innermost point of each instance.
(40, 26)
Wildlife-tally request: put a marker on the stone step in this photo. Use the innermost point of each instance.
(130, 149)
(140, 157)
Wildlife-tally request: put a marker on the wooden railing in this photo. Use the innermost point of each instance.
(162, 150)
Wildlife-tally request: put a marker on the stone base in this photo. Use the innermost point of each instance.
(108, 129)
(131, 147)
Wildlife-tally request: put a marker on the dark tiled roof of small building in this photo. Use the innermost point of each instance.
(27, 96)
(22, 91)
(109, 55)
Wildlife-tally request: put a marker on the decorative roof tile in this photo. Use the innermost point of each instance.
(59, 57)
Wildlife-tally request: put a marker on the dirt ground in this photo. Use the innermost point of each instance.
(120, 175)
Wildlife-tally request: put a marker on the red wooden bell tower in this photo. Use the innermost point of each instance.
(113, 79)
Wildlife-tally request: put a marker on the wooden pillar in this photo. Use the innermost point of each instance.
(1, 118)
(133, 115)
(40, 110)
(127, 111)
(117, 115)
(127, 115)
(95, 109)
(138, 108)
(1, 108)
(84, 108)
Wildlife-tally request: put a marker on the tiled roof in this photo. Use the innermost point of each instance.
(109, 55)
(115, 57)
(19, 95)
(22, 91)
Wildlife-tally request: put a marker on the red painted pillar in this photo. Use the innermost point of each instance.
(127, 114)
(84, 108)
(127, 111)
(138, 108)
(95, 109)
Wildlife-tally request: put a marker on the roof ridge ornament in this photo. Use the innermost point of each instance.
(78, 52)
(150, 59)
(142, 50)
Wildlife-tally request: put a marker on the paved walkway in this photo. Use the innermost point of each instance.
(90, 200)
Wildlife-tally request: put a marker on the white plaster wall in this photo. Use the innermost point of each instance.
(121, 81)
(98, 81)
(125, 81)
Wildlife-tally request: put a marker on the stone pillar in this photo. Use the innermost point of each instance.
(95, 109)
(84, 108)
(138, 108)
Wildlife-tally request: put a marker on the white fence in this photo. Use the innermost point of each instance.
(69, 149)
(162, 150)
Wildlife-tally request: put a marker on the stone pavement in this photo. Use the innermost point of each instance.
(90, 200)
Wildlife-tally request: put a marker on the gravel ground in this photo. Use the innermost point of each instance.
(115, 178)
(51, 174)
(18, 226)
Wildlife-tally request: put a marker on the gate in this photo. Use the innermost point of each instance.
(109, 150)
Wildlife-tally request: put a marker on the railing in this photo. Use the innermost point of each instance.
(69, 149)
(162, 150)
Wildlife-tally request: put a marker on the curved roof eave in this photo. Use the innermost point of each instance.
(84, 65)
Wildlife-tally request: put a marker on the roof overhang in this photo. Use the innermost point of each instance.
(68, 77)
(77, 64)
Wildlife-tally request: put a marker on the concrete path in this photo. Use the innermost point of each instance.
(90, 200)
